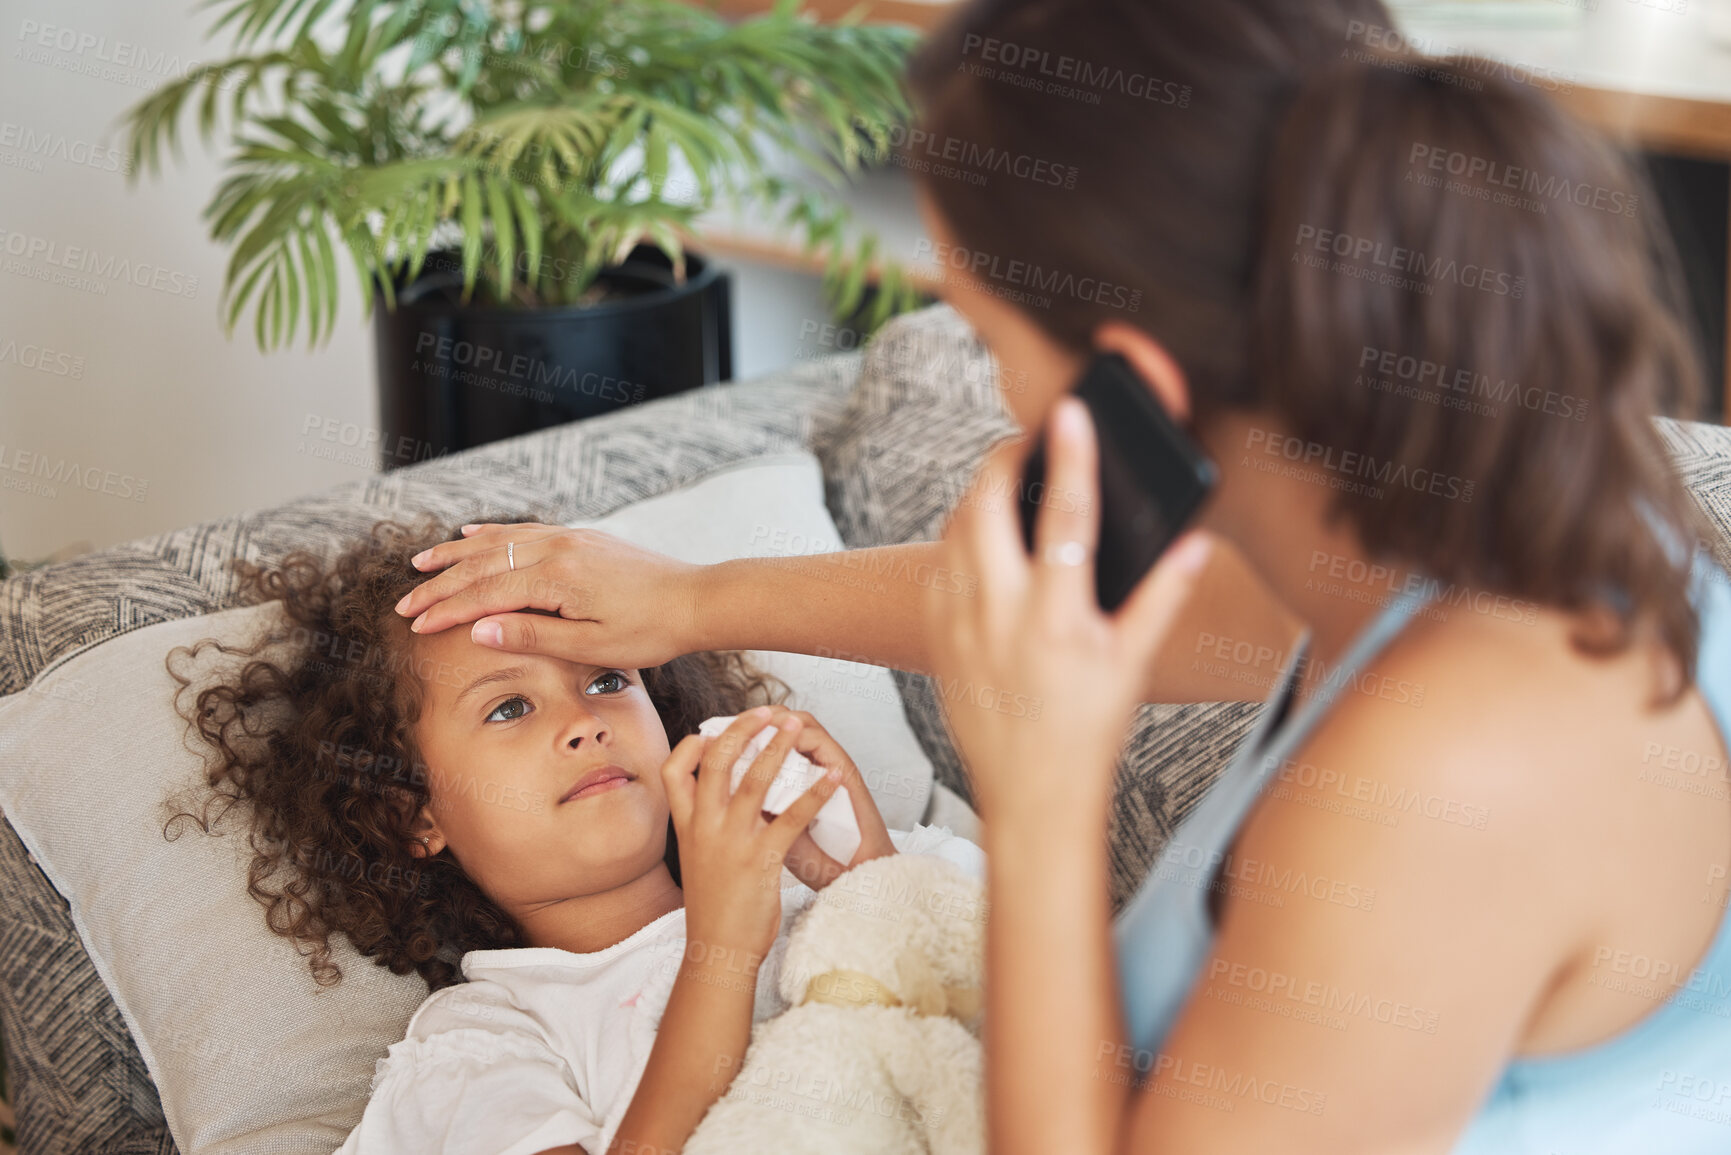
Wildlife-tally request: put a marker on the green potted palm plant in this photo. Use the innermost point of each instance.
(515, 183)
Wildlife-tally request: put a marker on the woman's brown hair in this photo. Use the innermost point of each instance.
(1530, 274)
(1318, 214)
(313, 740)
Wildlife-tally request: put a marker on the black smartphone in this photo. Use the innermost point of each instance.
(1153, 477)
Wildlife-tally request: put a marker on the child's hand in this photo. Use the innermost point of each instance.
(809, 864)
(730, 857)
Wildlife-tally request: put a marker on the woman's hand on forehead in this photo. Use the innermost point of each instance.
(614, 603)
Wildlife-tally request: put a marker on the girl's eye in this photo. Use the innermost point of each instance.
(619, 682)
(495, 716)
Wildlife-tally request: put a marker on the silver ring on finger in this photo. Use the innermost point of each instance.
(1064, 553)
(511, 554)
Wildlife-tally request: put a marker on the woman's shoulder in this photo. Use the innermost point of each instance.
(1517, 756)
(1500, 703)
(1523, 799)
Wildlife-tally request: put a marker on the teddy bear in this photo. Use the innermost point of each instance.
(879, 1049)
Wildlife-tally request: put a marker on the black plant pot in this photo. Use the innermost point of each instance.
(452, 376)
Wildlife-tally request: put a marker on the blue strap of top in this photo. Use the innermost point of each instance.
(1165, 933)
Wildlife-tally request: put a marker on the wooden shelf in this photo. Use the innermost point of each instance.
(1698, 128)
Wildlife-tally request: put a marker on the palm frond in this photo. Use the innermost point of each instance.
(548, 137)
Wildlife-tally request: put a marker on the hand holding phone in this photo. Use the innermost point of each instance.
(1153, 477)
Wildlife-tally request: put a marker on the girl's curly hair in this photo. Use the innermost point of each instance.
(315, 740)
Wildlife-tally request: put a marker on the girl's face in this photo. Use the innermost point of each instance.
(507, 739)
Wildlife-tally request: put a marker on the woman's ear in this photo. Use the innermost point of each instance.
(1152, 362)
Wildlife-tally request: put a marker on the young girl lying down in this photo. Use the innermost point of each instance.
(598, 922)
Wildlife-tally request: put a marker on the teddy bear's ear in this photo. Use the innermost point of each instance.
(920, 988)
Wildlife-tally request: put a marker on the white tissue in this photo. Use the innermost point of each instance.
(835, 829)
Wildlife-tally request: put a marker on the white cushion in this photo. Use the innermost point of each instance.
(248, 1053)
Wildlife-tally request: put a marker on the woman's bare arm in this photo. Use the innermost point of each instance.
(1054, 1029)
(864, 605)
(623, 605)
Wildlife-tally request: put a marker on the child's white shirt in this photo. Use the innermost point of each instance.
(543, 1047)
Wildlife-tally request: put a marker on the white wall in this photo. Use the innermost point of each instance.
(177, 422)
